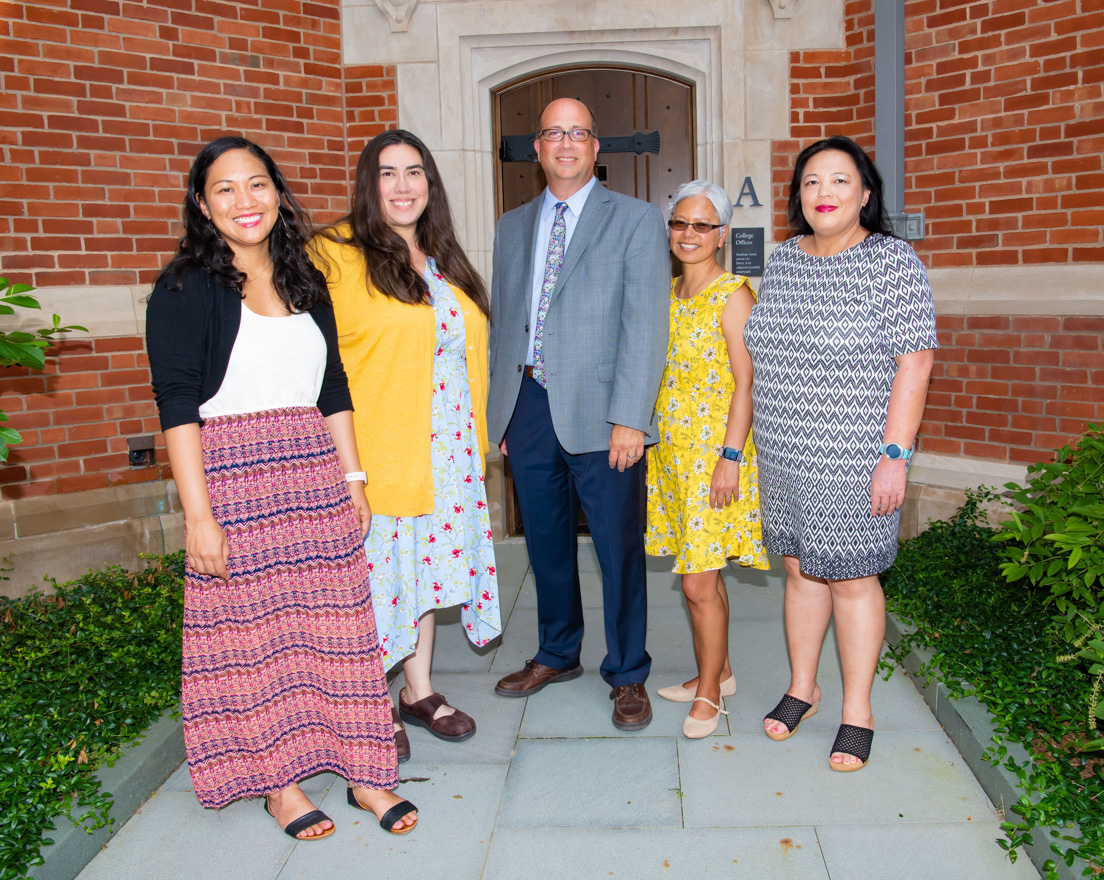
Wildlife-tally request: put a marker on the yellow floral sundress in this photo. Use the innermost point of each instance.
(693, 409)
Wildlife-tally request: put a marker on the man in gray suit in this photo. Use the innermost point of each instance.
(579, 302)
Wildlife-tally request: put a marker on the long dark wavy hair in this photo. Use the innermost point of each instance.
(873, 216)
(385, 252)
(298, 283)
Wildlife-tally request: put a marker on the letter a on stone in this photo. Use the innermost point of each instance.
(748, 189)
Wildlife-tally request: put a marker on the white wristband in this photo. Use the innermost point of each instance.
(357, 475)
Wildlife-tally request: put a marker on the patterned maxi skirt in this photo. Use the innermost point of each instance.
(282, 675)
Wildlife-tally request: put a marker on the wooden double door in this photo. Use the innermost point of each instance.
(625, 103)
(645, 123)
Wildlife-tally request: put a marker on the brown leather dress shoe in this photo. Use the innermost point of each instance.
(532, 678)
(631, 708)
(402, 741)
(452, 728)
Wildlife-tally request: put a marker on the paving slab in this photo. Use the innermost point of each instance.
(913, 776)
(937, 851)
(549, 788)
(582, 708)
(453, 650)
(497, 721)
(172, 836)
(671, 854)
(897, 705)
(511, 562)
(588, 558)
(527, 592)
(181, 780)
(760, 601)
(617, 782)
(668, 640)
(590, 589)
(457, 807)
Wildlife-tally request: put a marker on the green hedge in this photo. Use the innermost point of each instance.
(82, 671)
(1000, 641)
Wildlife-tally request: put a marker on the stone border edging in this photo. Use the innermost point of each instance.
(970, 726)
(138, 772)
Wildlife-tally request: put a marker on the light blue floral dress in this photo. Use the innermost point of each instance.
(446, 557)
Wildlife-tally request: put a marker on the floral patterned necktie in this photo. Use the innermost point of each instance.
(551, 272)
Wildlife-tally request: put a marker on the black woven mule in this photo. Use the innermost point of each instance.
(790, 711)
(854, 741)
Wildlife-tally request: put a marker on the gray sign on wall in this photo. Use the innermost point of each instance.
(747, 250)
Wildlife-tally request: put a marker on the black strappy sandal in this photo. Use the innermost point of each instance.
(388, 820)
(297, 826)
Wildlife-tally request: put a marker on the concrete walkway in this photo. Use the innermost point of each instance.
(548, 788)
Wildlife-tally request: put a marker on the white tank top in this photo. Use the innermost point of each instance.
(275, 363)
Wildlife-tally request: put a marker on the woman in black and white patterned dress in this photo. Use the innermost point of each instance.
(842, 341)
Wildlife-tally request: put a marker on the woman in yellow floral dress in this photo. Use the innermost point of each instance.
(703, 488)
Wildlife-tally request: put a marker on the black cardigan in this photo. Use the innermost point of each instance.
(190, 334)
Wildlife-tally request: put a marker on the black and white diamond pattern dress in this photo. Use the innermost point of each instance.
(822, 339)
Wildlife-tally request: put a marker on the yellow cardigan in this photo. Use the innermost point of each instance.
(387, 348)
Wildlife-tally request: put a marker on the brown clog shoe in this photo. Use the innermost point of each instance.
(451, 728)
(402, 741)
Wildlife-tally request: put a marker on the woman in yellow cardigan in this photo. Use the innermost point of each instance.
(412, 329)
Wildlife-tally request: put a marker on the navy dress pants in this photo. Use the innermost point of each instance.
(552, 485)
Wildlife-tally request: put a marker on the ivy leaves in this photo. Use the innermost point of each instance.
(1056, 544)
(82, 671)
(1002, 642)
(1057, 541)
(23, 349)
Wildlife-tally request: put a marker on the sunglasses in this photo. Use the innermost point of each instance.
(703, 228)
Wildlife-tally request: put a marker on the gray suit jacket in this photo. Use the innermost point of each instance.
(605, 336)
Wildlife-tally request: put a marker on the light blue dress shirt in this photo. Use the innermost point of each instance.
(544, 233)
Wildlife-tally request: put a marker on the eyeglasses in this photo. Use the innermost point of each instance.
(703, 228)
(555, 135)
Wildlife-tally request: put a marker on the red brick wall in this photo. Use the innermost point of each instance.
(75, 418)
(831, 92)
(105, 103)
(1013, 388)
(1004, 124)
(1005, 130)
(371, 105)
(103, 106)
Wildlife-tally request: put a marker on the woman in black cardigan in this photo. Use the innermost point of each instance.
(282, 676)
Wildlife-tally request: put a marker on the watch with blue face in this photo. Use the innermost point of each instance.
(731, 454)
(896, 452)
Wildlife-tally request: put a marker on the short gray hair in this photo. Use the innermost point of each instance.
(722, 204)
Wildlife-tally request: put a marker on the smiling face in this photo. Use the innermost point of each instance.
(567, 164)
(832, 194)
(403, 187)
(688, 245)
(241, 200)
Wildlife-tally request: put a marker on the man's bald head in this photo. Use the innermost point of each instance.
(569, 104)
